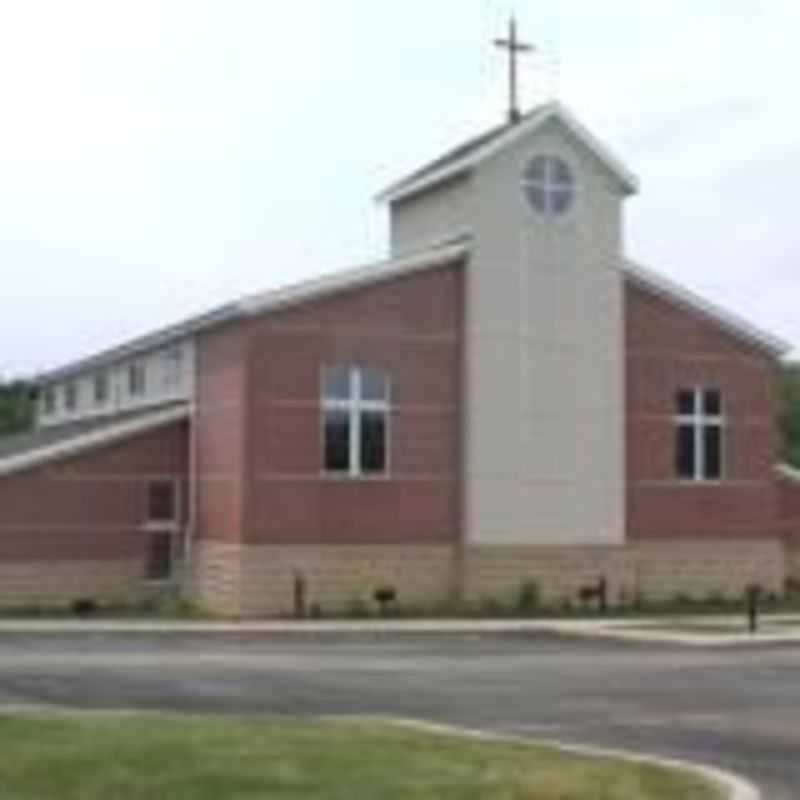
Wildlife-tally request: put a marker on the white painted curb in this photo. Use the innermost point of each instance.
(733, 787)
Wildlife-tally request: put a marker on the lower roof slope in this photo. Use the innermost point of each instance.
(43, 445)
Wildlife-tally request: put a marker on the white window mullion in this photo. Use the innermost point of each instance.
(355, 422)
(699, 439)
(360, 394)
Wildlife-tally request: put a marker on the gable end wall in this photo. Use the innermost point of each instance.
(698, 538)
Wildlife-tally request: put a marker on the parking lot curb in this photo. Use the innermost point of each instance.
(614, 630)
(732, 786)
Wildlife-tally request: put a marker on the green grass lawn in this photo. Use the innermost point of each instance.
(121, 757)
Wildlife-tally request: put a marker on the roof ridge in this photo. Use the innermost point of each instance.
(459, 151)
(468, 155)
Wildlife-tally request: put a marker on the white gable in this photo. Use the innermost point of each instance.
(506, 138)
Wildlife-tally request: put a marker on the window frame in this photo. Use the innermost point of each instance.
(101, 379)
(137, 379)
(699, 421)
(550, 185)
(163, 527)
(49, 401)
(71, 390)
(167, 524)
(173, 366)
(354, 406)
(172, 538)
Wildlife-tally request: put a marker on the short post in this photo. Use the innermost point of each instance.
(602, 595)
(299, 595)
(384, 597)
(753, 596)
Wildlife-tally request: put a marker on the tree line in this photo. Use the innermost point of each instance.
(17, 403)
(789, 404)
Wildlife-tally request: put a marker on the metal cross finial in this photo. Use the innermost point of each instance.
(514, 46)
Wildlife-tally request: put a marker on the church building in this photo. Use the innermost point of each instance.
(506, 399)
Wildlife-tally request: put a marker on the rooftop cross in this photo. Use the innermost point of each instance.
(514, 46)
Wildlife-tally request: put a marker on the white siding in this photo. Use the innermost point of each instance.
(431, 218)
(160, 386)
(544, 381)
(544, 416)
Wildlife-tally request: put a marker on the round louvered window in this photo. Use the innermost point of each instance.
(549, 185)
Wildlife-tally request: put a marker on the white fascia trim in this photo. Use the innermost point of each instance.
(788, 472)
(664, 287)
(90, 441)
(554, 110)
(354, 278)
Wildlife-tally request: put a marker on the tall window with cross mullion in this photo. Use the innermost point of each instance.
(355, 420)
(699, 434)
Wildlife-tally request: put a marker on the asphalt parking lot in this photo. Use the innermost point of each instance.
(739, 709)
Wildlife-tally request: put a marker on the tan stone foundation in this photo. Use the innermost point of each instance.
(259, 580)
(56, 584)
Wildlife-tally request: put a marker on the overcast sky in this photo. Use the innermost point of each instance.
(158, 157)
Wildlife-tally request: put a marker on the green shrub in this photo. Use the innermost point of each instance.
(791, 588)
(386, 598)
(315, 611)
(640, 601)
(528, 597)
(681, 599)
(715, 598)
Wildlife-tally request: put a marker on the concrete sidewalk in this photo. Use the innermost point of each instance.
(671, 630)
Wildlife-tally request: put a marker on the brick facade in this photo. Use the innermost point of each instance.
(669, 349)
(271, 512)
(219, 435)
(264, 510)
(75, 528)
(409, 327)
(698, 537)
(283, 517)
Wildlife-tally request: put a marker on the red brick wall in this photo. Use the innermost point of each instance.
(220, 432)
(669, 348)
(410, 326)
(91, 506)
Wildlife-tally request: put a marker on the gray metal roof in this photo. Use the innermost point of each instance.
(141, 344)
(46, 437)
(456, 154)
(466, 156)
